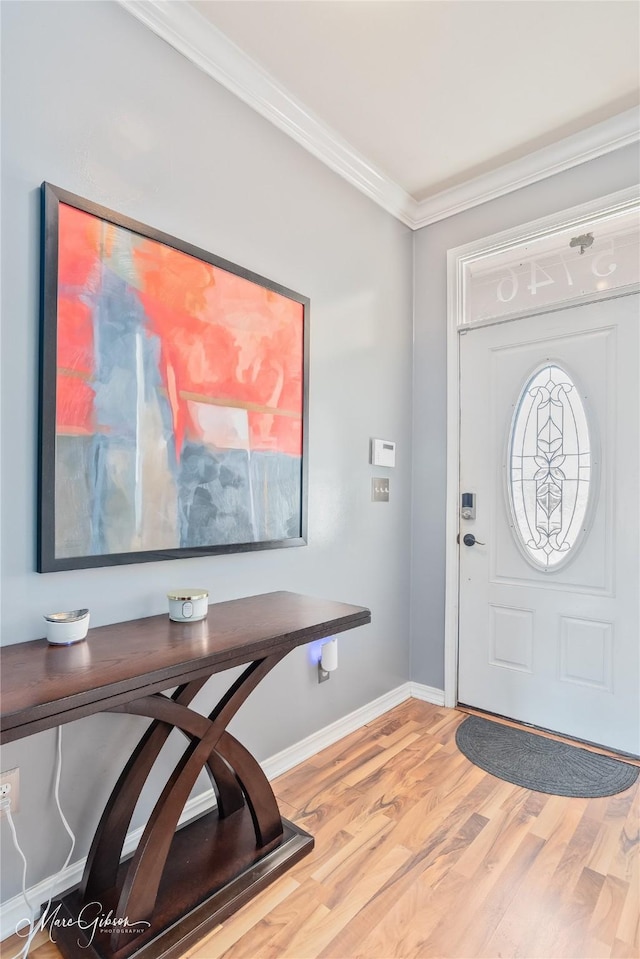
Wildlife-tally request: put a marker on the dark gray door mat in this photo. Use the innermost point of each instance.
(535, 762)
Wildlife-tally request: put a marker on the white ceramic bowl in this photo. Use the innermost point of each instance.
(62, 629)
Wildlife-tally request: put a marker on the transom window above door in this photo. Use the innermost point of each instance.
(589, 256)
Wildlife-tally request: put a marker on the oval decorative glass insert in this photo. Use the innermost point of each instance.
(549, 467)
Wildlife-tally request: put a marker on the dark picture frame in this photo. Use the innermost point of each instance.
(174, 393)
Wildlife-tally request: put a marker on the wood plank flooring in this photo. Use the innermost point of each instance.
(421, 854)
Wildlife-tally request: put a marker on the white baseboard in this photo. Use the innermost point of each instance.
(302, 750)
(13, 911)
(428, 694)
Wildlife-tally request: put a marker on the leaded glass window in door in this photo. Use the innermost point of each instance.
(550, 467)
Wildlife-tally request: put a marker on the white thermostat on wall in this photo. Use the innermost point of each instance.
(383, 453)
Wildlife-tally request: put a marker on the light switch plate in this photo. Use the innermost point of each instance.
(380, 489)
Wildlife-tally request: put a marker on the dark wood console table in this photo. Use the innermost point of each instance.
(179, 883)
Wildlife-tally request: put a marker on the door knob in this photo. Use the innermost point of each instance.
(469, 540)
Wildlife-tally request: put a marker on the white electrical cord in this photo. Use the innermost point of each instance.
(57, 797)
(33, 928)
(5, 805)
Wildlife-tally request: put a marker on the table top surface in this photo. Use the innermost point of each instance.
(42, 686)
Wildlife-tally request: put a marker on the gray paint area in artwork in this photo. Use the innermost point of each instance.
(74, 455)
(222, 497)
(231, 496)
(276, 517)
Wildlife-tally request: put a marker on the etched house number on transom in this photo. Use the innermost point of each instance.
(553, 262)
(550, 468)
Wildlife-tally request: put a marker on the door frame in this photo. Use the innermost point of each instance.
(458, 324)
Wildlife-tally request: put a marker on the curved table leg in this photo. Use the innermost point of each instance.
(144, 872)
(256, 787)
(106, 848)
(233, 759)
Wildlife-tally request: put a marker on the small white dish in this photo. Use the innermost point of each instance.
(63, 629)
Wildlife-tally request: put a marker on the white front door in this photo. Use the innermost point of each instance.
(549, 594)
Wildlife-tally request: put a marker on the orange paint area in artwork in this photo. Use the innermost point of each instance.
(75, 336)
(223, 339)
(74, 406)
(79, 252)
(283, 433)
(78, 265)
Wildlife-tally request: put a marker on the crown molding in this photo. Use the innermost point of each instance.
(208, 48)
(196, 38)
(619, 131)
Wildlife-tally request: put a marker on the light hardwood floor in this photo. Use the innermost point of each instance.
(421, 854)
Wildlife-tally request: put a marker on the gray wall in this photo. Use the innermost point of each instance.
(93, 102)
(616, 171)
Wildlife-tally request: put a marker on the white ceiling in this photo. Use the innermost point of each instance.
(435, 92)
(427, 106)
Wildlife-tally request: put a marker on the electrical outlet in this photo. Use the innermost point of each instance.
(10, 788)
(323, 675)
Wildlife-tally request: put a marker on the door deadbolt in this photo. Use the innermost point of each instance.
(468, 506)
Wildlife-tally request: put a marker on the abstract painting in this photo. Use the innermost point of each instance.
(173, 397)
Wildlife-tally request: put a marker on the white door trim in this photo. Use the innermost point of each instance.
(456, 326)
